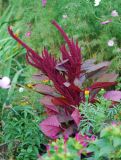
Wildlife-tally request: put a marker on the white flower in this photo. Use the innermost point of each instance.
(65, 16)
(5, 82)
(21, 89)
(97, 2)
(111, 43)
(114, 13)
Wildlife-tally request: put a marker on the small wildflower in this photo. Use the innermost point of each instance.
(29, 85)
(111, 43)
(5, 83)
(86, 92)
(113, 123)
(45, 81)
(44, 3)
(97, 2)
(65, 16)
(28, 34)
(106, 22)
(93, 137)
(16, 34)
(21, 89)
(114, 13)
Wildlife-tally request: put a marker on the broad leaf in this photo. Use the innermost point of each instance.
(60, 101)
(79, 81)
(63, 117)
(109, 77)
(45, 89)
(50, 127)
(40, 77)
(113, 96)
(50, 107)
(98, 66)
(102, 85)
(87, 64)
(76, 116)
(69, 131)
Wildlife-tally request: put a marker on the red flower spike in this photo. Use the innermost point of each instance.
(74, 56)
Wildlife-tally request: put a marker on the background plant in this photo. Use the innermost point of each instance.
(64, 150)
(21, 126)
(98, 115)
(108, 146)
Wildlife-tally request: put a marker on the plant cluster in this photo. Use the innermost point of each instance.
(108, 146)
(70, 86)
(22, 137)
(68, 75)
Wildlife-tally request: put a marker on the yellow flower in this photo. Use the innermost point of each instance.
(29, 85)
(45, 81)
(17, 34)
(86, 92)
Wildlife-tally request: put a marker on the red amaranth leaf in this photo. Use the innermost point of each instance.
(96, 87)
(96, 70)
(51, 127)
(87, 64)
(61, 101)
(98, 66)
(40, 77)
(93, 94)
(108, 77)
(47, 102)
(76, 116)
(113, 96)
(69, 131)
(45, 89)
(63, 118)
(79, 81)
(102, 85)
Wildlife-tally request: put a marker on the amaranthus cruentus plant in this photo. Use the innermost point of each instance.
(68, 75)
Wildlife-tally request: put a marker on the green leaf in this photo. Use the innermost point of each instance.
(29, 150)
(116, 141)
(106, 150)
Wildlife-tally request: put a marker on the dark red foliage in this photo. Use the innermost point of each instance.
(68, 76)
